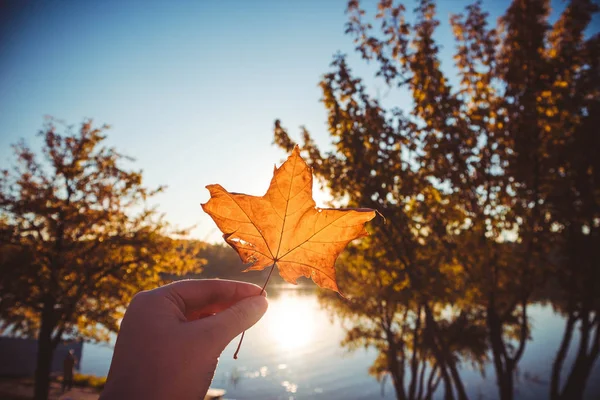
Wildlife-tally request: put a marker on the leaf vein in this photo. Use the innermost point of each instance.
(313, 235)
(252, 222)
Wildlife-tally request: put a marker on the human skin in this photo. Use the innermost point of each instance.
(171, 338)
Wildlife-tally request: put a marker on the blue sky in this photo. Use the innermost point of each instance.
(190, 88)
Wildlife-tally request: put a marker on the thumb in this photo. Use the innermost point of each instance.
(234, 320)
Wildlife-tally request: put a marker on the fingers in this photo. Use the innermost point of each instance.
(209, 295)
(233, 321)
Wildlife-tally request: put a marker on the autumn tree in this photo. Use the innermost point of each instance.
(504, 151)
(568, 106)
(78, 240)
(382, 312)
(372, 166)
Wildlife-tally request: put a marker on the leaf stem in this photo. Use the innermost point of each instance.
(268, 277)
(235, 355)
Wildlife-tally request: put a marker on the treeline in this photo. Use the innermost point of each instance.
(221, 261)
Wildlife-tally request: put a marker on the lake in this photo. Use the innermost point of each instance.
(294, 353)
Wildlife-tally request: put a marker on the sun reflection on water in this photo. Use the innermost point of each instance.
(292, 322)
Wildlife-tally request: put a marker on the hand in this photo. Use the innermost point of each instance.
(164, 351)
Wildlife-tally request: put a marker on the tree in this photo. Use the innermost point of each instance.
(78, 240)
(382, 311)
(571, 105)
(373, 166)
(507, 153)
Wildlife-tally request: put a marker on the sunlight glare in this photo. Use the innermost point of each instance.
(291, 322)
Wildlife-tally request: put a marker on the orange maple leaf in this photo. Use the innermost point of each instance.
(285, 228)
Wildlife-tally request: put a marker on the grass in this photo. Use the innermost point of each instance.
(89, 381)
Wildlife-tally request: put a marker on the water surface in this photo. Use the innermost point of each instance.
(294, 353)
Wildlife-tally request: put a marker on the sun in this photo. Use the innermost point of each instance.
(291, 322)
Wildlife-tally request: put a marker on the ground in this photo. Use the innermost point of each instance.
(22, 388)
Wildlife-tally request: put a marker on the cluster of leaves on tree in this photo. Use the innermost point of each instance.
(489, 187)
(77, 240)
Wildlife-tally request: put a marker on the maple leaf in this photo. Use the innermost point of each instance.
(285, 228)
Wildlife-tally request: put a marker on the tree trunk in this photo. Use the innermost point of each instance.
(557, 365)
(414, 365)
(582, 367)
(458, 384)
(44, 353)
(503, 370)
(444, 358)
(507, 387)
(577, 381)
(398, 387)
(431, 334)
(394, 367)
